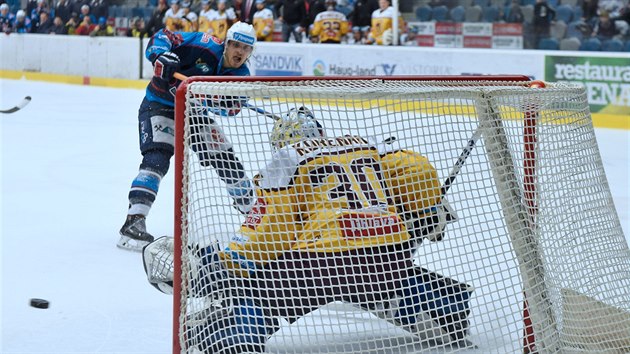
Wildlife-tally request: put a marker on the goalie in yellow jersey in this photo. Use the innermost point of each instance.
(337, 219)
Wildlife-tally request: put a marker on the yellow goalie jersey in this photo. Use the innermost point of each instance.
(330, 26)
(330, 195)
(263, 23)
(382, 21)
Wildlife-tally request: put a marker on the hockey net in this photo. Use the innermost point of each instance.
(537, 239)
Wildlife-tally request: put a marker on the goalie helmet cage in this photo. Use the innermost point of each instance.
(537, 235)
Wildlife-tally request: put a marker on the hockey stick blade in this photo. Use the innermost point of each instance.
(21, 105)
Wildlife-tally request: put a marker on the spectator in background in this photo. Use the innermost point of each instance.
(58, 26)
(6, 19)
(236, 5)
(63, 10)
(35, 12)
(330, 26)
(623, 16)
(543, 17)
(292, 14)
(99, 8)
(205, 16)
(137, 28)
(612, 7)
(190, 20)
(263, 22)
(156, 22)
(361, 18)
(30, 6)
(86, 12)
(173, 17)
(221, 19)
(22, 23)
(381, 32)
(589, 11)
(605, 28)
(515, 13)
(44, 25)
(86, 27)
(248, 9)
(102, 29)
(33, 8)
(76, 5)
(72, 23)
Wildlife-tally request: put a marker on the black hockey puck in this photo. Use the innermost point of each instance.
(40, 303)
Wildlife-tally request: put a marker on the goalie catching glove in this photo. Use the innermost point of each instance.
(206, 272)
(165, 66)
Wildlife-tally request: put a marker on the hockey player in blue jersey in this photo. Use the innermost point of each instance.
(191, 54)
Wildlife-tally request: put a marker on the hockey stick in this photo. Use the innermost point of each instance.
(460, 161)
(261, 111)
(183, 77)
(16, 108)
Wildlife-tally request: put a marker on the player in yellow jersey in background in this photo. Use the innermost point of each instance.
(337, 219)
(205, 17)
(190, 20)
(263, 22)
(381, 31)
(330, 26)
(221, 19)
(173, 18)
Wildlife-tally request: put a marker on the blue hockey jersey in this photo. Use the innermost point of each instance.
(200, 54)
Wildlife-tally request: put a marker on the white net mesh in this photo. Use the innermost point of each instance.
(325, 263)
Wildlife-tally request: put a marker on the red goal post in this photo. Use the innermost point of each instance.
(552, 319)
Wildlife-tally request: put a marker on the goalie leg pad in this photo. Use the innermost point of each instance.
(445, 300)
(244, 329)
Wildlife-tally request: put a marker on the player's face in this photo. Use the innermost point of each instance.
(236, 53)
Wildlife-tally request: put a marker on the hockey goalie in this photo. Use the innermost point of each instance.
(336, 219)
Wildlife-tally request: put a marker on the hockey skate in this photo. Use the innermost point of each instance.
(133, 234)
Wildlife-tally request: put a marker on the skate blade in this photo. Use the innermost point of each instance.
(130, 244)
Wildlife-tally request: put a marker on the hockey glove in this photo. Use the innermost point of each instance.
(165, 66)
(226, 106)
(242, 193)
(431, 223)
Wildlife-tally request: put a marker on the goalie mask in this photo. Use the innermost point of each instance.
(299, 124)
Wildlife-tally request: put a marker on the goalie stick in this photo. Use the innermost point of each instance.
(19, 106)
(460, 161)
